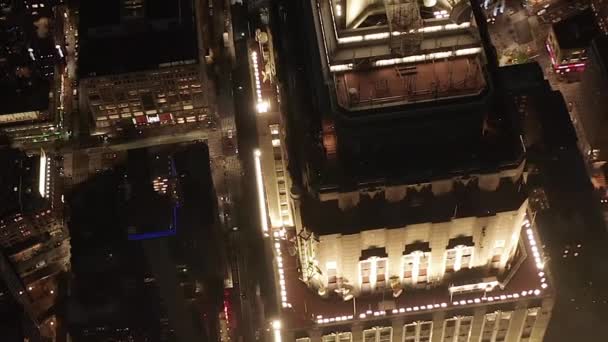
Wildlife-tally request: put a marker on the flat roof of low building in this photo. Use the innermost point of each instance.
(22, 87)
(21, 95)
(115, 38)
(576, 31)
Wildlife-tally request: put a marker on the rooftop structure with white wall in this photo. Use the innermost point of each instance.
(387, 52)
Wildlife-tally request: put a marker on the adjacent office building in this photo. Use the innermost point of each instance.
(139, 64)
(410, 211)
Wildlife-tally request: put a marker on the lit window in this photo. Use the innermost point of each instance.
(418, 332)
(457, 258)
(495, 326)
(499, 248)
(332, 275)
(373, 273)
(338, 337)
(378, 334)
(457, 329)
(526, 332)
(416, 267)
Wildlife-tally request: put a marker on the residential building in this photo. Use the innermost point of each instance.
(410, 211)
(155, 78)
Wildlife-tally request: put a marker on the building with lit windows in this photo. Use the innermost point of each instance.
(410, 211)
(154, 78)
(34, 243)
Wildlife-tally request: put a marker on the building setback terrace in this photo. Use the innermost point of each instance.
(303, 308)
(406, 83)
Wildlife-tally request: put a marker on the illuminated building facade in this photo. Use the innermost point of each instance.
(410, 216)
(155, 79)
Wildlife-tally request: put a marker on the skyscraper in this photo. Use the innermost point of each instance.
(411, 219)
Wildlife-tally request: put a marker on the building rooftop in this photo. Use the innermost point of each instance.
(23, 85)
(308, 309)
(18, 182)
(407, 83)
(120, 37)
(385, 54)
(576, 32)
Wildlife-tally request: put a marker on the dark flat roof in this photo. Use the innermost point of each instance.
(19, 95)
(18, 171)
(576, 31)
(110, 43)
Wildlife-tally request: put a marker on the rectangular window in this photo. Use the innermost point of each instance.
(365, 271)
(417, 332)
(373, 273)
(495, 326)
(380, 273)
(458, 258)
(457, 329)
(466, 256)
(345, 337)
(499, 248)
(378, 334)
(424, 267)
(332, 275)
(489, 325)
(449, 329)
(415, 267)
(503, 326)
(450, 260)
(529, 322)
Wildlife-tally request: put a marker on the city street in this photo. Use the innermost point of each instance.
(519, 38)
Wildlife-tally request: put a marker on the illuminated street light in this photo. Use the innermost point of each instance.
(262, 107)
